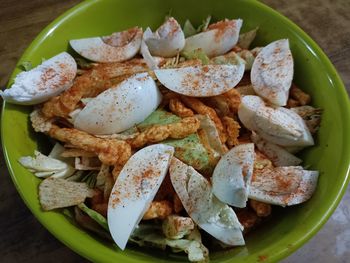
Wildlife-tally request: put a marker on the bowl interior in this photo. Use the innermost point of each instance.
(290, 227)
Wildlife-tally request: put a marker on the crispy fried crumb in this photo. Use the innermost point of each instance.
(260, 208)
(179, 109)
(157, 133)
(109, 151)
(302, 97)
(158, 209)
(203, 109)
(232, 128)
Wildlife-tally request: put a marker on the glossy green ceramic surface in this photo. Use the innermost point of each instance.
(290, 227)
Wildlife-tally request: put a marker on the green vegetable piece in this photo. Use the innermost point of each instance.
(26, 65)
(189, 29)
(204, 25)
(83, 63)
(100, 219)
(197, 54)
(245, 39)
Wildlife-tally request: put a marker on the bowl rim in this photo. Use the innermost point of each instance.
(303, 35)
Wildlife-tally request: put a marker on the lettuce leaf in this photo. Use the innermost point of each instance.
(196, 54)
(189, 29)
(100, 219)
(44, 166)
(26, 65)
(151, 235)
(245, 39)
(205, 23)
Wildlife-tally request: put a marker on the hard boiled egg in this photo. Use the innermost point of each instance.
(232, 175)
(272, 72)
(218, 39)
(278, 155)
(119, 46)
(167, 41)
(277, 125)
(208, 212)
(201, 81)
(135, 188)
(42, 82)
(121, 107)
(283, 186)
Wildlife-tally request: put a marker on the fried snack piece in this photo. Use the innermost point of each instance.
(302, 97)
(109, 151)
(260, 208)
(159, 133)
(233, 99)
(74, 152)
(158, 209)
(248, 219)
(178, 207)
(179, 109)
(90, 84)
(203, 109)
(291, 103)
(39, 122)
(232, 129)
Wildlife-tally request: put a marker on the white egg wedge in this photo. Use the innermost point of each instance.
(232, 175)
(272, 72)
(134, 190)
(121, 107)
(42, 82)
(208, 126)
(278, 155)
(284, 186)
(208, 212)
(218, 39)
(119, 46)
(167, 41)
(147, 56)
(277, 125)
(201, 81)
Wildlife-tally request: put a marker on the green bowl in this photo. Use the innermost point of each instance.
(290, 227)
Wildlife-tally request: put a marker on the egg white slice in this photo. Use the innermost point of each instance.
(278, 155)
(212, 133)
(218, 39)
(201, 81)
(208, 212)
(283, 186)
(121, 107)
(146, 54)
(277, 125)
(167, 41)
(42, 82)
(272, 72)
(119, 46)
(232, 175)
(135, 188)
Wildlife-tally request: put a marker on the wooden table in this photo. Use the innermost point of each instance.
(24, 239)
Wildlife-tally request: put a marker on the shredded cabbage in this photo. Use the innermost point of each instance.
(44, 166)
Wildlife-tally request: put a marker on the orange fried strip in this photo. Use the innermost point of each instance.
(232, 130)
(299, 95)
(260, 208)
(233, 100)
(90, 84)
(203, 109)
(179, 109)
(77, 153)
(158, 209)
(159, 133)
(109, 151)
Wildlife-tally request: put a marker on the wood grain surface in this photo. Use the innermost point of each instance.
(24, 239)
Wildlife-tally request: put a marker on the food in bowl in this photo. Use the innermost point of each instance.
(185, 143)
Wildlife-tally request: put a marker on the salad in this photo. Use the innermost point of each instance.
(163, 138)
